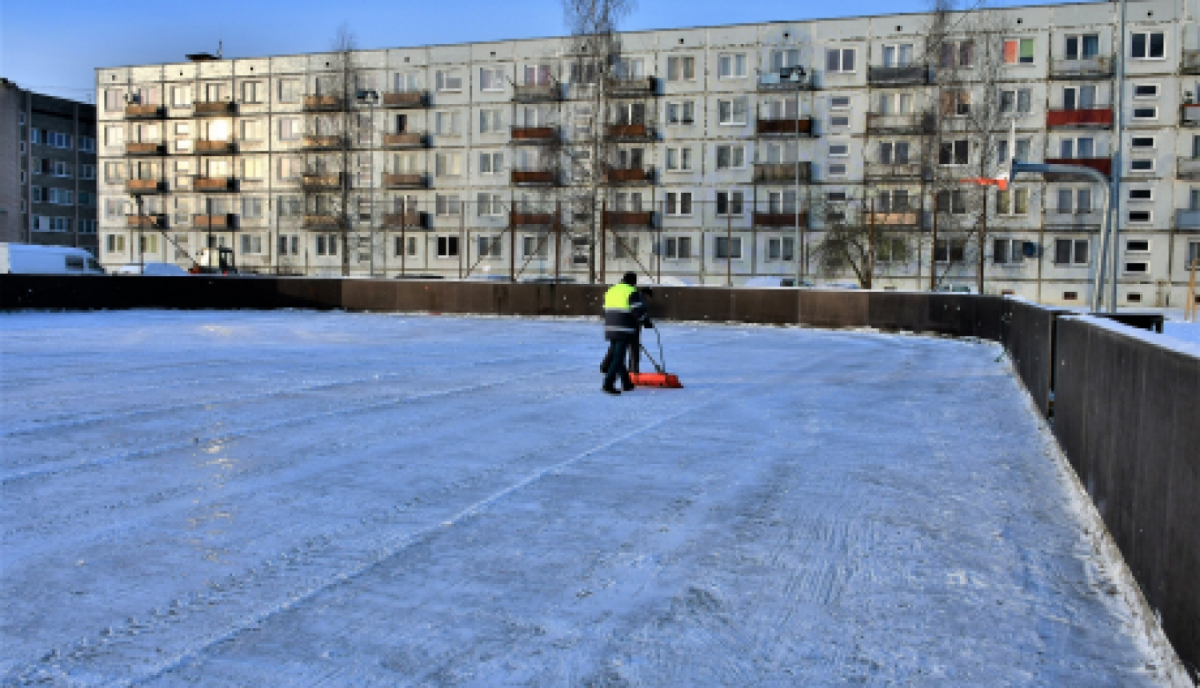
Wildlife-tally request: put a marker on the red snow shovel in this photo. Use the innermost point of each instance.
(659, 378)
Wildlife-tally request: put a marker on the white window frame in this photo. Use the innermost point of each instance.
(1147, 35)
(732, 66)
(682, 106)
(844, 153)
(676, 70)
(1150, 169)
(733, 246)
(1157, 90)
(1148, 220)
(1149, 199)
(674, 199)
(838, 169)
(683, 156)
(835, 105)
(735, 156)
(448, 240)
(496, 77)
(841, 66)
(1135, 117)
(735, 202)
(444, 78)
(733, 120)
(1139, 251)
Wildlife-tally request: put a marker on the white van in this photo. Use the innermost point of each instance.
(29, 259)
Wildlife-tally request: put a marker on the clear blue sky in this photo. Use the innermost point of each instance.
(54, 47)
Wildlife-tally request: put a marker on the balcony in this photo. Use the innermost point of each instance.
(777, 220)
(1073, 220)
(403, 181)
(534, 135)
(319, 182)
(530, 219)
(1191, 62)
(1190, 115)
(1087, 68)
(144, 186)
(215, 184)
(216, 147)
(629, 175)
(203, 223)
(536, 93)
(320, 222)
(1089, 118)
(216, 109)
(905, 219)
(1101, 165)
(910, 123)
(883, 171)
(912, 75)
(783, 172)
(322, 103)
(146, 221)
(638, 87)
(144, 111)
(144, 149)
(333, 142)
(405, 99)
(1188, 167)
(629, 132)
(533, 177)
(406, 140)
(1187, 219)
(409, 220)
(784, 126)
(628, 219)
(771, 82)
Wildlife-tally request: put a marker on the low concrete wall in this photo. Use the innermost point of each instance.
(1127, 415)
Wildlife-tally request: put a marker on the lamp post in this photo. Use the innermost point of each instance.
(371, 97)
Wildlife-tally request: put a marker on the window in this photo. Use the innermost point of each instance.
(1139, 267)
(1083, 47)
(1078, 147)
(485, 246)
(1079, 97)
(730, 203)
(1140, 216)
(1141, 194)
(448, 123)
(491, 163)
(1142, 142)
(87, 144)
(679, 203)
(839, 150)
(839, 60)
(87, 226)
(727, 248)
(538, 75)
(252, 92)
(896, 104)
(679, 159)
(957, 54)
(781, 202)
(1137, 245)
(113, 100)
(406, 82)
(1015, 201)
(681, 112)
(677, 248)
(38, 196)
(731, 112)
(839, 102)
(950, 250)
(630, 68)
(289, 129)
(446, 205)
(1193, 255)
(731, 157)
(490, 122)
(1145, 90)
(252, 206)
(448, 165)
(1017, 101)
(837, 169)
(1018, 51)
(327, 244)
(489, 205)
(782, 248)
(447, 247)
(681, 68)
(1008, 251)
(491, 79)
(953, 152)
(731, 66)
(253, 168)
(113, 135)
(114, 243)
(1023, 147)
(532, 247)
(447, 80)
(1141, 165)
(897, 55)
(839, 121)
(148, 243)
(1147, 45)
(893, 152)
(252, 130)
(951, 201)
(290, 168)
(1074, 201)
(1145, 113)
(251, 244)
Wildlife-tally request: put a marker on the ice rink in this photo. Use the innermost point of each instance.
(311, 499)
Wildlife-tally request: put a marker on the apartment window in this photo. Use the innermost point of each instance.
(1079, 97)
(681, 68)
(114, 243)
(681, 112)
(839, 121)
(491, 163)
(87, 199)
(893, 152)
(1137, 245)
(950, 250)
(148, 243)
(252, 206)
(491, 79)
(730, 203)
(782, 248)
(1145, 113)
(490, 122)
(486, 246)
(60, 224)
(957, 54)
(489, 205)
(1018, 51)
(289, 129)
(87, 171)
(1147, 45)
(1145, 91)
(837, 169)
(406, 82)
(87, 226)
(953, 152)
(1142, 143)
(731, 157)
(731, 66)
(1016, 101)
(679, 203)
(1023, 147)
(1078, 147)
(251, 244)
(1082, 47)
(1008, 251)
(1077, 201)
(252, 92)
(895, 103)
(677, 248)
(1138, 267)
(326, 245)
(625, 247)
(114, 100)
(448, 165)
(290, 168)
(1141, 194)
(897, 55)
(839, 60)
(1193, 255)
(1015, 201)
(781, 202)
(1141, 216)
(951, 201)
(252, 130)
(37, 193)
(447, 247)
(778, 108)
(87, 144)
(254, 168)
(839, 150)
(726, 248)
(113, 135)
(532, 247)
(1144, 165)
(538, 75)
(446, 205)
(732, 111)
(448, 81)
(679, 159)
(839, 102)
(448, 123)
(781, 59)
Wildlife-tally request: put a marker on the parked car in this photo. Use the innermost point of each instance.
(30, 259)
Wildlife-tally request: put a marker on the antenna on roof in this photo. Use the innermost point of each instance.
(220, 49)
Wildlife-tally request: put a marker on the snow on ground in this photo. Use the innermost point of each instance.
(240, 498)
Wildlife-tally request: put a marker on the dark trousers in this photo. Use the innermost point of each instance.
(635, 355)
(616, 354)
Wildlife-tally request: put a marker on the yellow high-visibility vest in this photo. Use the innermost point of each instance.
(617, 296)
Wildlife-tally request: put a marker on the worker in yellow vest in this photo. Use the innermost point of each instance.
(624, 313)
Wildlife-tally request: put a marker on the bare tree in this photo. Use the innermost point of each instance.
(861, 239)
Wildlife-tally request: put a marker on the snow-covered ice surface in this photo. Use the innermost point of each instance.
(290, 498)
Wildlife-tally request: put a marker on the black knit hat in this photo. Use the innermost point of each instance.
(630, 278)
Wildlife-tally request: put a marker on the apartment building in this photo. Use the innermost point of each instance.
(47, 169)
(707, 155)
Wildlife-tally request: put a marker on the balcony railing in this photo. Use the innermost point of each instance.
(899, 76)
(530, 219)
(403, 181)
(1092, 118)
(1187, 219)
(1190, 115)
(1188, 167)
(406, 140)
(533, 177)
(216, 147)
(1073, 219)
(144, 186)
(318, 103)
(329, 142)
(891, 170)
(321, 181)
(1191, 62)
(910, 123)
(1101, 165)
(405, 99)
(143, 149)
(772, 82)
(628, 218)
(214, 109)
(783, 172)
(408, 220)
(779, 219)
(532, 93)
(146, 221)
(632, 87)
(1086, 68)
(320, 222)
(784, 126)
(144, 111)
(629, 132)
(215, 184)
(224, 221)
(534, 135)
(629, 175)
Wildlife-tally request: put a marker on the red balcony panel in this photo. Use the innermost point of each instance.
(1101, 165)
(1094, 117)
